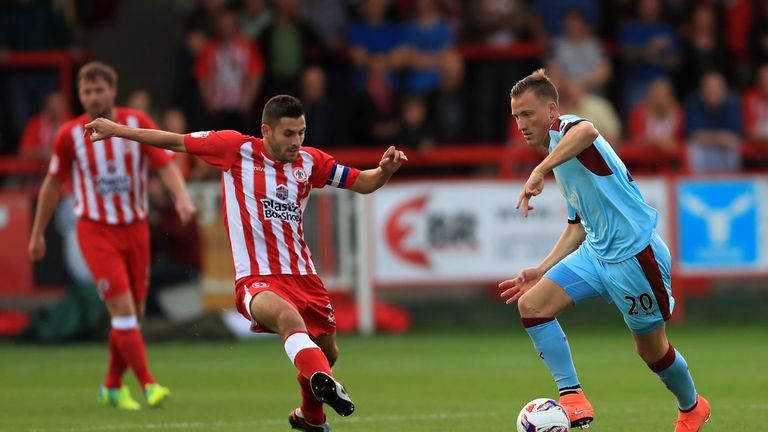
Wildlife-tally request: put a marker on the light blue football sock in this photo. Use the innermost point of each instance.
(677, 378)
(549, 340)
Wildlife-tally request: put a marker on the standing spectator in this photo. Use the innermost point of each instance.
(373, 36)
(229, 72)
(704, 50)
(649, 48)
(254, 18)
(141, 100)
(581, 54)
(713, 127)
(657, 121)
(755, 105)
(426, 43)
(376, 106)
(328, 19)
(288, 44)
(40, 132)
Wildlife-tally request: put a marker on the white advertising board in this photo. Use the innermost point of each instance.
(468, 232)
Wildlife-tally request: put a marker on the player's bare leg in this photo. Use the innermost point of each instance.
(272, 311)
(663, 359)
(539, 307)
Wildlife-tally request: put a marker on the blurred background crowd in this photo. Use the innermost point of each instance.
(655, 77)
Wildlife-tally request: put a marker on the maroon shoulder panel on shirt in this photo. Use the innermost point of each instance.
(591, 158)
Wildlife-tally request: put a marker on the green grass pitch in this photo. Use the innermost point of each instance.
(418, 382)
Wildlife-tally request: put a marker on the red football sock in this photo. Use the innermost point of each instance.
(131, 345)
(310, 406)
(116, 366)
(305, 355)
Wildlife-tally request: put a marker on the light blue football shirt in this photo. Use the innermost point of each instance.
(601, 194)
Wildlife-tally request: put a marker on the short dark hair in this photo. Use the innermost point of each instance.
(539, 83)
(281, 106)
(96, 69)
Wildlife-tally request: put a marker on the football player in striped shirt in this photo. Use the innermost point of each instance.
(109, 181)
(266, 184)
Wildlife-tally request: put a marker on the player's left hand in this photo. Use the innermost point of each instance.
(533, 187)
(186, 210)
(392, 160)
(101, 129)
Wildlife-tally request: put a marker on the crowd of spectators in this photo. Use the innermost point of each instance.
(666, 76)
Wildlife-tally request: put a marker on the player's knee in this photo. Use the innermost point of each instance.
(288, 321)
(529, 308)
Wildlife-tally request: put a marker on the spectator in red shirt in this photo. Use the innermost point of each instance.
(40, 131)
(229, 72)
(755, 106)
(657, 121)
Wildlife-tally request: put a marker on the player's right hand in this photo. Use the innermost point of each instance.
(101, 129)
(515, 288)
(36, 248)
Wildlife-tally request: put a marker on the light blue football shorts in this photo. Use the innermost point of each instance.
(640, 287)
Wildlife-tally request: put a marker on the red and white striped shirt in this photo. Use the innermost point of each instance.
(264, 200)
(109, 177)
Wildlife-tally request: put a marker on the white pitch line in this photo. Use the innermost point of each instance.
(264, 422)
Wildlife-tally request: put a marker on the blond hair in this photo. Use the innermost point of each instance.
(539, 83)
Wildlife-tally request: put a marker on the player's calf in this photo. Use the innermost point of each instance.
(331, 392)
(579, 410)
(297, 421)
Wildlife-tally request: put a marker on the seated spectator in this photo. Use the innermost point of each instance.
(376, 116)
(427, 41)
(649, 48)
(373, 35)
(581, 54)
(254, 18)
(229, 72)
(713, 127)
(416, 133)
(575, 99)
(704, 50)
(657, 122)
(40, 133)
(755, 105)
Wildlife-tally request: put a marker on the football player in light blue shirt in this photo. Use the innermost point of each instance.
(609, 249)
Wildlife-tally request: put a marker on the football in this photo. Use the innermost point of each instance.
(543, 415)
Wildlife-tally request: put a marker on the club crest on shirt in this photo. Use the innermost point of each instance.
(259, 284)
(300, 175)
(281, 191)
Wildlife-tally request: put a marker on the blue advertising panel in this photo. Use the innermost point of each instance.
(718, 225)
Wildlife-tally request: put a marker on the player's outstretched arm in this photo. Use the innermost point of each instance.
(101, 129)
(372, 179)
